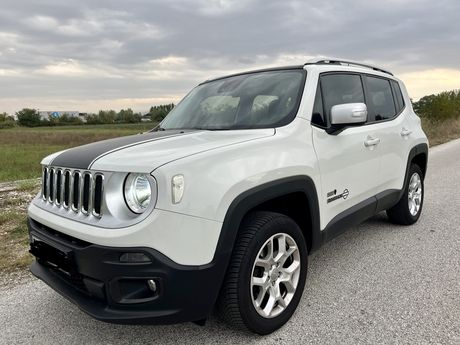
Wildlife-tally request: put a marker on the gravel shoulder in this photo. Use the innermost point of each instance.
(14, 240)
(376, 283)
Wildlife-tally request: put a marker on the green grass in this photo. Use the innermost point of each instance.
(22, 149)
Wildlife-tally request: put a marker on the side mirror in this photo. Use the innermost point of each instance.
(348, 114)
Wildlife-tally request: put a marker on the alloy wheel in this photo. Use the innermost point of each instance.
(415, 194)
(275, 275)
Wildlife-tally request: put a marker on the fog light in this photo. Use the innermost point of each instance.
(134, 258)
(152, 285)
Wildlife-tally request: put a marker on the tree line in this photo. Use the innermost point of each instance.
(440, 107)
(436, 107)
(29, 117)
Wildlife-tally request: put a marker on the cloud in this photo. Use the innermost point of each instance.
(94, 52)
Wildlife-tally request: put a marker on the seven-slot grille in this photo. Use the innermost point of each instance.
(80, 191)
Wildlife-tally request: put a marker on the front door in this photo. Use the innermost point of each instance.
(349, 161)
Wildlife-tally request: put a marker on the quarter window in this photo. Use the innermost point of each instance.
(381, 105)
(398, 96)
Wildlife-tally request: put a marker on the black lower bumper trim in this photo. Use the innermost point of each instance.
(92, 277)
(97, 309)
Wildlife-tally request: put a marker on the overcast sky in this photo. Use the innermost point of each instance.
(87, 55)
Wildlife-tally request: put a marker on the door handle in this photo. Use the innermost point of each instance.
(371, 141)
(405, 132)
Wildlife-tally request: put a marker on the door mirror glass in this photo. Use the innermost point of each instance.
(348, 114)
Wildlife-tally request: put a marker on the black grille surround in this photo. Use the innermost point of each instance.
(78, 190)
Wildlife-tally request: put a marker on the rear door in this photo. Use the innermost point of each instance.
(349, 168)
(386, 114)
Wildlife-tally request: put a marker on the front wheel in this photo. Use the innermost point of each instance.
(266, 275)
(407, 211)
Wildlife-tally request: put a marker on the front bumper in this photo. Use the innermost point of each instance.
(92, 277)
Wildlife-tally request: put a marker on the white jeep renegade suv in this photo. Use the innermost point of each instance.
(220, 204)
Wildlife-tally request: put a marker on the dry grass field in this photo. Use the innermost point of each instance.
(439, 132)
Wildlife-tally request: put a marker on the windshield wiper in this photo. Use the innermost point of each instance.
(157, 129)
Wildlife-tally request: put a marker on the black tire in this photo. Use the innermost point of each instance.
(400, 213)
(235, 304)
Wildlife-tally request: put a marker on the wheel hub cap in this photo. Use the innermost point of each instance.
(275, 275)
(415, 194)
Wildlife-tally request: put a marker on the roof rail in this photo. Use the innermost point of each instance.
(335, 61)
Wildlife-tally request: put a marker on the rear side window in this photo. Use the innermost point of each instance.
(398, 96)
(340, 89)
(380, 102)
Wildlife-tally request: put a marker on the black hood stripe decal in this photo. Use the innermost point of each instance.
(82, 157)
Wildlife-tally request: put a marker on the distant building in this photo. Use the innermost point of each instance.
(45, 115)
(146, 117)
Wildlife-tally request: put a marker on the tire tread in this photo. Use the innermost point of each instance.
(399, 213)
(228, 303)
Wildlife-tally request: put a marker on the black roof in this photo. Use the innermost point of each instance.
(282, 68)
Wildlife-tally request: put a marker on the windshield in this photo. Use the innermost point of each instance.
(254, 100)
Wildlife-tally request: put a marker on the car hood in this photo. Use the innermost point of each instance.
(146, 152)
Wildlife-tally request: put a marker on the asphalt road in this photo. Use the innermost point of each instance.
(376, 284)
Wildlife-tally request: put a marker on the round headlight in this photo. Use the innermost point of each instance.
(138, 192)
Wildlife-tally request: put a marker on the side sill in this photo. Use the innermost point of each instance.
(359, 213)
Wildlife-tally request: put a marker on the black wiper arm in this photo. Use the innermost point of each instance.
(157, 129)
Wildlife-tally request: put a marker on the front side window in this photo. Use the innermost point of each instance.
(340, 89)
(380, 101)
(254, 100)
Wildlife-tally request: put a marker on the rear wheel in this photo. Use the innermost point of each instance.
(407, 211)
(266, 275)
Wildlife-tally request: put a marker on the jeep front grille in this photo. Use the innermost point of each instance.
(79, 191)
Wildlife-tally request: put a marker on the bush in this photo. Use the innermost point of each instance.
(7, 124)
(158, 112)
(128, 116)
(440, 107)
(65, 119)
(93, 119)
(111, 116)
(31, 118)
(107, 116)
(28, 118)
(6, 121)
